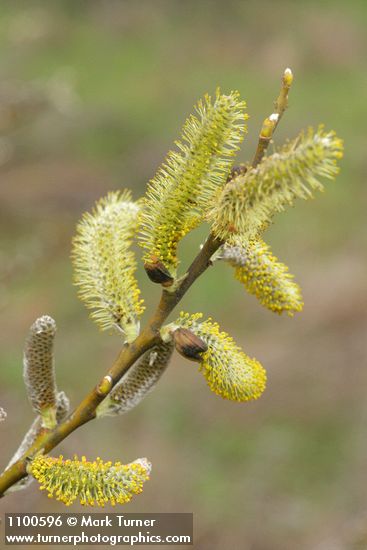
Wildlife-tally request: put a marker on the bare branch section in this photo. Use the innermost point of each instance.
(271, 122)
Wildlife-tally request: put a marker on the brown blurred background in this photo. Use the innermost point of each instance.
(92, 95)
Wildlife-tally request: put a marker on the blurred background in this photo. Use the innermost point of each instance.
(92, 95)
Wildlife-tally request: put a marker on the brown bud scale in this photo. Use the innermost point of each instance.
(158, 273)
(189, 345)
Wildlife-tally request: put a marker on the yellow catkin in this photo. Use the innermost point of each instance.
(249, 201)
(188, 183)
(91, 483)
(264, 276)
(228, 371)
(105, 265)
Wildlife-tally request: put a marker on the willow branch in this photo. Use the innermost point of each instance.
(86, 411)
(270, 123)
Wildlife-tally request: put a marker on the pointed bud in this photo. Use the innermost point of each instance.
(62, 406)
(287, 78)
(282, 102)
(238, 170)
(189, 345)
(158, 273)
(105, 385)
(269, 126)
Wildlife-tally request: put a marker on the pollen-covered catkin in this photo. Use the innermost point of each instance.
(91, 483)
(229, 372)
(105, 265)
(189, 181)
(249, 201)
(39, 367)
(140, 379)
(264, 276)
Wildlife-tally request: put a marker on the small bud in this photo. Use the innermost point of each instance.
(268, 126)
(189, 345)
(158, 273)
(287, 78)
(104, 387)
(238, 170)
(62, 406)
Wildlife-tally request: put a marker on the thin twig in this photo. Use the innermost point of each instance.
(271, 122)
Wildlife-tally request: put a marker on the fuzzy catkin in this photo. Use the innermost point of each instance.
(264, 276)
(249, 201)
(92, 483)
(187, 184)
(38, 365)
(229, 372)
(105, 265)
(140, 380)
